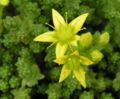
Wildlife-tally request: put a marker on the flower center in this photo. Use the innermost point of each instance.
(73, 62)
(64, 33)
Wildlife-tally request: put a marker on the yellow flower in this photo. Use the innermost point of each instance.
(74, 64)
(64, 34)
(4, 2)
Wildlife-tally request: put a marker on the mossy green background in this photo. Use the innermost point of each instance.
(27, 69)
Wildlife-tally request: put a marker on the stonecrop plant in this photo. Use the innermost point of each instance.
(74, 52)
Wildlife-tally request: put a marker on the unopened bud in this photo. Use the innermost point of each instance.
(86, 40)
(96, 56)
(104, 38)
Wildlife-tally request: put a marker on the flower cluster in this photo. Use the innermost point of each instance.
(70, 46)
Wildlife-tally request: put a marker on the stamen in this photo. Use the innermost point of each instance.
(50, 25)
(66, 17)
(51, 45)
(84, 28)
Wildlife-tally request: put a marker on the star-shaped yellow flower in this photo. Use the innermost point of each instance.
(64, 34)
(74, 63)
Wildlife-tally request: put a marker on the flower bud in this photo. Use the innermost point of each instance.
(86, 40)
(4, 2)
(96, 56)
(104, 38)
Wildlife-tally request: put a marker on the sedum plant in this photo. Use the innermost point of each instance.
(27, 69)
(74, 51)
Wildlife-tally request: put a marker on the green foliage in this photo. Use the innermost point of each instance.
(53, 91)
(27, 68)
(14, 82)
(106, 96)
(69, 86)
(87, 95)
(116, 84)
(4, 71)
(54, 73)
(3, 85)
(21, 93)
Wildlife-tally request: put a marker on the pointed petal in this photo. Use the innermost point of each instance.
(61, 60)
(85, 61)
(78, 22)
(77, 37)
(46, 37)
(65, 72)
(75, 53)
(60, 49)
(57, 19)
(80, 76)
(74, 42)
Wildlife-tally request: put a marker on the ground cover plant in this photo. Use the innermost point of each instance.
(29, 68)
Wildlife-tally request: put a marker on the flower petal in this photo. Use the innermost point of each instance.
(60, 49)
(57, 19)
(85, 61)
(61, 60)
(78, 22)
(46, 37)
(80, 76)
(65, 72)
(74, 42)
